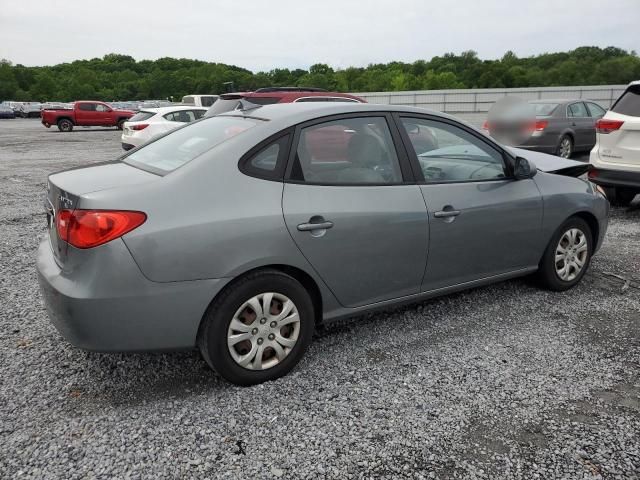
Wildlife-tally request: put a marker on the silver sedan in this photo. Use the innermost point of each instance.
(240, 233)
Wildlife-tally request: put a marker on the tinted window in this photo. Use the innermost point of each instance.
(87, 107)
(140, 116)
(447, 153)
(577, 110)
(544, 109)
(185, 144)
(348, 151)
(595, 110)
(269, 161)
(207, 101)
(629, 102)
(184, 116)
(263, 100)
(199, 113)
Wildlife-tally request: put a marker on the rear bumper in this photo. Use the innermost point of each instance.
(614, 178)
(102, 302)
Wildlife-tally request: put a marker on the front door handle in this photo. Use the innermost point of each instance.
(310, 227)
(446, 213)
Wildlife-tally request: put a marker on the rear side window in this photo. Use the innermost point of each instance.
(577, 110)
(269, 161)
(199, 113)
(140, 116)
(87, 107)
(629, 102)
(184, 116)
(183, 145)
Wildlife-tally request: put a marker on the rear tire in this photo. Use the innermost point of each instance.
(567, 257)
(65, 125)
(262, 329)
(621, 196)
(565, 147)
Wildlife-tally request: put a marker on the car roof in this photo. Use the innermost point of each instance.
(176, 108)
(294, 113)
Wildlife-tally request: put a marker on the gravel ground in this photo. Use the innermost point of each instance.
(500, 382)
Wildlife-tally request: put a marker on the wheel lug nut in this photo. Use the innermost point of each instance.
(260, 340)
(274, 324)
(254, 331)
(271, 336)
(263, 321)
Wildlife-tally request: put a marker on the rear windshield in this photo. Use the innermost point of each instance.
(629, 102)
(544, 109)
(183, 145)
(138, 117)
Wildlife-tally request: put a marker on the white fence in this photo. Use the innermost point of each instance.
(473, 104)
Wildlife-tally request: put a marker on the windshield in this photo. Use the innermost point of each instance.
(629, 102)
(544, 109)
(183, 145)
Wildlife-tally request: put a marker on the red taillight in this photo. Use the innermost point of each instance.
(485, 125)
(90, 228)
(139, 126)
(537, 126)
(608, 126)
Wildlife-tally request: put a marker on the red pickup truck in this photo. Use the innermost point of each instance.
(86, 114)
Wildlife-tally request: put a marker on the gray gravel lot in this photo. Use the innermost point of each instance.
(500, 382)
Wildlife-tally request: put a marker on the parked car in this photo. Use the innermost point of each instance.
(15, 106)
(561, 127)
(153, 122)
(29, 110)
(199, 100)
(271, 95)
(240, 232)
(56, 106)
(86, 114)
(6, 112)
(616, 156)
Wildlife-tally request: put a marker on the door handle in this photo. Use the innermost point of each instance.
(446, 213)
(309, 227)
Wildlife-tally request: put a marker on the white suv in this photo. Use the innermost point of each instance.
(615, 159)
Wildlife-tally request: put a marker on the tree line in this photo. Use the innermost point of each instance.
(120, 77)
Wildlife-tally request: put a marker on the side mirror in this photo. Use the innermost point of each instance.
(523, 169)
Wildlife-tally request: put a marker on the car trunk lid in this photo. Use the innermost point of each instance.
(65, 190)
(620, 147)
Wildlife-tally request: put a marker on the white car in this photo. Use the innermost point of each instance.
(615, 159)
(150, 123)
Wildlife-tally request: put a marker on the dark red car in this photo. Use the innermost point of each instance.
(266, 96)
(86, 114)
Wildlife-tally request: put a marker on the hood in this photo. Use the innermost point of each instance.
(122, 110)
(551, 163)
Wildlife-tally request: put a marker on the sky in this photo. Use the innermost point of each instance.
(264, 34)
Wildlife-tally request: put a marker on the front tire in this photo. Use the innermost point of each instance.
(567, 257)
(258, 328)
(65, 125)
(565, 147)
(120, 124)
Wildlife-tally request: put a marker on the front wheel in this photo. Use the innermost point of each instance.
(120, 124)
(258, 328)
(567, 257)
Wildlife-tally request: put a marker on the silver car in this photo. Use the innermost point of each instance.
(241, 232)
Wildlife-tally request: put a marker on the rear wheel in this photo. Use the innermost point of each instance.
(565, 147)
(65, 125)
(258, 328)
(621, 196)
(567, 257)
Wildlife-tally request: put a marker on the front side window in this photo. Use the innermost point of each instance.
(101, 108)
(348, 151)
(447, 153)
(577, 110)
(183, 145)
(595, 110)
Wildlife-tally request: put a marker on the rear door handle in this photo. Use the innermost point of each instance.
(309, 227)
(446, 213)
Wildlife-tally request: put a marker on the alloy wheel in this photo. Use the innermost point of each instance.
(571, 254)
(565, 148)
(263, 331)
